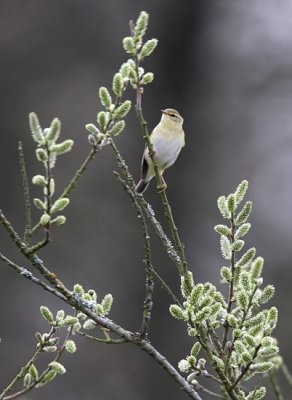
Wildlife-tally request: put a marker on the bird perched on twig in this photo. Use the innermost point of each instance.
(167, 138)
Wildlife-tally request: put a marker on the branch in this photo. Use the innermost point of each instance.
(27, 274)
(100, 340)
(25, 185)
(137, 203)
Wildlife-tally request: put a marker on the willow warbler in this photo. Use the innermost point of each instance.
(167, 138)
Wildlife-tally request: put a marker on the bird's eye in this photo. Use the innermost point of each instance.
(172, 115)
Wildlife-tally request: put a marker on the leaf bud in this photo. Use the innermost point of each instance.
(226, 248)
(129, 45)
(78, 289)
(222, 206)
(63, 147)
(107, 303)
(105, 97)
(196, 349)
(70, 346)
(60, 220)
(118, 128)
(102, 119)
(241, 191)
(242, 230)
(41, 155)
(123, 109)
(231, 203)
(46, 313)
(237, 245)
(247, 257)
(60, 204)
(147, 78)
(244, 213)
(45, 219)
(33, 372)
(141, 24)
(184, 366)
(35, 128)
(54, 131)
(57, 367)
(89, 324)
(39, 180)
(148, 48)
(92, 129)
(176, 311)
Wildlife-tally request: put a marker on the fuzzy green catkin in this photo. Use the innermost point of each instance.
(41, 155)
(118, 128)
(196, 293)
(256, 268)
(231, 203)
(105, 97)
(141, 24)
(267, 294)
(222, 206)
(244, 213)
(122, 110)
(62, 148)
(241, 191)
(46, 313)
(222, 230)
(147, 78)
(39, 180)
(148, 48)
(242, 230)
(33, 372)
(237, 245)
(70, 346)
(257, 394)
(176, 311)
(57, 367)
(196, 349)
(92, 129)
(35, 128)
(226, 274)
(107, 303)
(118, 84)
(54, 131)
(247, 257)
(60, 204)
(225, 247)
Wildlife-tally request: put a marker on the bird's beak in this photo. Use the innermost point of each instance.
(163, 111)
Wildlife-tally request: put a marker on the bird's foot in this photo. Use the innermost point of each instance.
(151, 153)
(162, 187)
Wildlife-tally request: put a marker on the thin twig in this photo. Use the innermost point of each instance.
(71, 185)
(147, 208)
(25, 185)
(149, 283)
(198, 386)
(231, 285)
(27, 274)
(137, 202)
(100, 340)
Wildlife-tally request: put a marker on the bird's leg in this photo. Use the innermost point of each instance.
(163, 186)
(151, 153)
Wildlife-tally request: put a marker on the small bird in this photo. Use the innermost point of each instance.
(167, 138)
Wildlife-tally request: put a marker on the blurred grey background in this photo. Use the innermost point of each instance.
(226, 66)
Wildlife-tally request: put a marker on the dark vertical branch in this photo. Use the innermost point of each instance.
(25, 185)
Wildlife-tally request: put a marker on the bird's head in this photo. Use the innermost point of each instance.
(171, 117)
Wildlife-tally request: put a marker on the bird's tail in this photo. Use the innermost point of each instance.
(141, 186)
